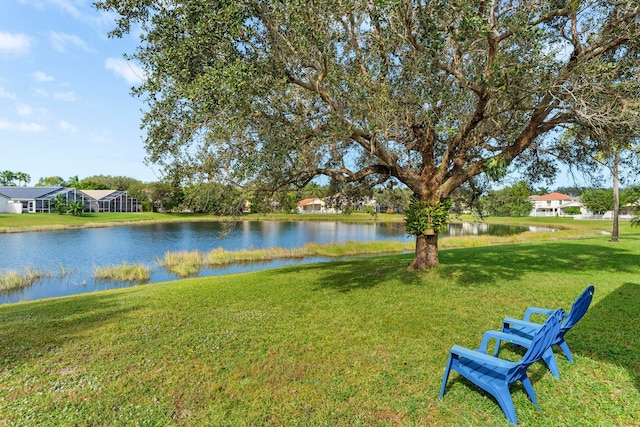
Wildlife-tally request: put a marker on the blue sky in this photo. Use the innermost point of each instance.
(65, 103)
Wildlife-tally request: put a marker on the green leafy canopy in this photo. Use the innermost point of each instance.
(429, 94)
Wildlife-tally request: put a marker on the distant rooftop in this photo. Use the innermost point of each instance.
(98, 194)
(30, 193)
(552, 196)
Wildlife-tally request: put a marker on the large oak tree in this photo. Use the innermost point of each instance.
(428, 93)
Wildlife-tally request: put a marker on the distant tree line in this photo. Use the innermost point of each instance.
(11, 179)
(225, 199)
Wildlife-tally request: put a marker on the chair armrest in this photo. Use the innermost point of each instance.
(502, 336)
(458, 351)
(519, 322)
(537, 310)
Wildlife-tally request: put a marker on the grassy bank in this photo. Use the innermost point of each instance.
(358, 342)
(12, 223)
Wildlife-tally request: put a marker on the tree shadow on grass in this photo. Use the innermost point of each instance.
(485, 265)
(35, 329)
(354, 273)
(610, 330)
(476, 266)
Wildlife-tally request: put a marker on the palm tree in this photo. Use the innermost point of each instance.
(23, 177)
(59, 204)
(75, 208)
(7, 178)
(73, 182)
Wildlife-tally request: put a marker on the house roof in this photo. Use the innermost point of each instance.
(311, 201)
(552, 196)
(98, 194)
(30, 193)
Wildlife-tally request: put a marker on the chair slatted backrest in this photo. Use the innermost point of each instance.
(540, 342)
(578, 309)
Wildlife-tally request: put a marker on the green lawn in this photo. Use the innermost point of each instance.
(52, 221)
(352, 343)
(42, 221)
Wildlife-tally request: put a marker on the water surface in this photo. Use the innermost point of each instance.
(78, 252)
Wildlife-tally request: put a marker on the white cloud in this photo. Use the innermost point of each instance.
(67, 127)
(99, 137)
(41, 92)
(41, 76)
(80, 10)
(24, 109)
(14, 44)
(6, 94)
(130, 72)
(60, 41)
(22, 127)
(65, 96)
(67, 6)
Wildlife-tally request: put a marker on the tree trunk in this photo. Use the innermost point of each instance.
(616, 197)
(426, 252)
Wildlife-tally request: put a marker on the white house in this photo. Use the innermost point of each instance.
(311, 205)
(42, 199)
(4, 202)
(34, 199)
(554, 204)
(626, 212)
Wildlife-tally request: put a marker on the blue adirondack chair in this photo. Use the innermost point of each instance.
(526, 329)
(495, 375)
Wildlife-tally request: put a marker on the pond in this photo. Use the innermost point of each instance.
(72, 255)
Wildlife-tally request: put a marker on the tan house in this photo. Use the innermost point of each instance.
(312, 205)
(554, 204)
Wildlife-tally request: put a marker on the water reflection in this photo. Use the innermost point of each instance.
(478, 229)
(78, 252)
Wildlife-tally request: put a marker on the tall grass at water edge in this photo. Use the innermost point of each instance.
(13, 279)
(123, 273)
(186, 263)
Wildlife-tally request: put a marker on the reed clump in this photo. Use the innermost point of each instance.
(123, 273)
(187, 263)
(13, 279)
(182, 263)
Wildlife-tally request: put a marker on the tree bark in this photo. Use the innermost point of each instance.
(616, 197)
(426, 252)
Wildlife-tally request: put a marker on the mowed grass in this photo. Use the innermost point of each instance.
(12, 223)
(360, 342)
